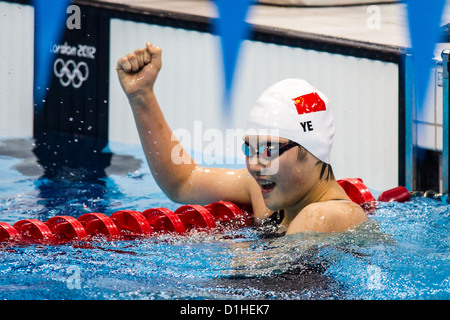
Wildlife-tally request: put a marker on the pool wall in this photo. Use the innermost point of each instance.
(365, 83)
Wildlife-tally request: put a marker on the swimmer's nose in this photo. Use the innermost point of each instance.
(255, 166)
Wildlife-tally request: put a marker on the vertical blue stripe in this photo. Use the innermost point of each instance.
(49, 19)
(232, 29)
(445, 124)
(424, 26)
(409, 127)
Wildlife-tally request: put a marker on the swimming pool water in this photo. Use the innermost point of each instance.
(401, 253)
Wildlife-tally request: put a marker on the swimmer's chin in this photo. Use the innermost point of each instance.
(270, 205)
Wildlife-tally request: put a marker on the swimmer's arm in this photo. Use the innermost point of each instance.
(328, 217)
(174, 170)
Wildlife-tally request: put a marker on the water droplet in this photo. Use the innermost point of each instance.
(70, 119)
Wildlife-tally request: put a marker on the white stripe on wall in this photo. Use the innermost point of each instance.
(16, 70)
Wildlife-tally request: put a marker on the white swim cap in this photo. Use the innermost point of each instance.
(299, 112)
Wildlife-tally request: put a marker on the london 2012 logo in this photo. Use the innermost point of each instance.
(71, 73)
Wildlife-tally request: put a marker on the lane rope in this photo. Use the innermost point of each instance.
(129, 224)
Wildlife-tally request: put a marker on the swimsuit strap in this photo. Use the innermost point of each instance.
(269, 226)
(275, 218)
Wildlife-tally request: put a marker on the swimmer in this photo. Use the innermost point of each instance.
(302, 192)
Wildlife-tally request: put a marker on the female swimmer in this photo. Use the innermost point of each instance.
(287, 144)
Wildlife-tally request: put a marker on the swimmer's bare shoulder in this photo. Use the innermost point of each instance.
(328, 216)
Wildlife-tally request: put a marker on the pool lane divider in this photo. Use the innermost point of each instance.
(130, 224)
(126, 224)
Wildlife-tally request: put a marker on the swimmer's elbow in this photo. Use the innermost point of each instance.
(177, 194)
(184, 191)
(174, 197)
(174, 191)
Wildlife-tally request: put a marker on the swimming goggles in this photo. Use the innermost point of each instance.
(268, 151)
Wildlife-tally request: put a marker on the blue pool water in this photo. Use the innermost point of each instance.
(403, 252)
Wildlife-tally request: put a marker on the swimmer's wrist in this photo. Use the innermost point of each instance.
(142, 100)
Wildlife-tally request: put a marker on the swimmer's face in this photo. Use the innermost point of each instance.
(285, 178)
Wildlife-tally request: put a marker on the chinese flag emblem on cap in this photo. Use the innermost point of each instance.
(309, 103)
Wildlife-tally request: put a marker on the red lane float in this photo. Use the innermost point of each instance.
(356, 190)
(66, 228)
(228, 214)
(164, 220)
(360, 194)
(131, 223)
(224, 211)
(8, 233)
(399, 194)
(33, 230)
(195, 216)
(99, 224)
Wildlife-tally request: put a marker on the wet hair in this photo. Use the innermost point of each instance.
(326, 167)
(325, 172)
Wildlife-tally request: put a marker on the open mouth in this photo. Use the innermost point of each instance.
(266, 186)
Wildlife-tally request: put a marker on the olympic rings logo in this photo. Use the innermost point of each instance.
(71, 73)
